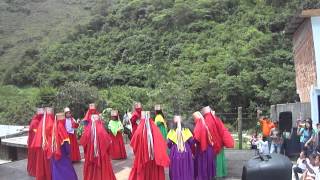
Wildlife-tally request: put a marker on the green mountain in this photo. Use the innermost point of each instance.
(181, 53)
(29, 25)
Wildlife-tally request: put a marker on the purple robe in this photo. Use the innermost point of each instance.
(63, 168)
(181, 163)
(205, 168)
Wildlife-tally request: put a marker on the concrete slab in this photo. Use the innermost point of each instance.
(10, 130)
(236, 159)
(20, 141)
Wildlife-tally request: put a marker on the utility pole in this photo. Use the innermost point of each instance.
(240, 126)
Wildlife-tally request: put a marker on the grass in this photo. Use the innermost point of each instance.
(33, 24)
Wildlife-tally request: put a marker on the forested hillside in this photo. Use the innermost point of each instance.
(181, 53)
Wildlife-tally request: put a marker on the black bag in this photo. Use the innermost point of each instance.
(270, 167)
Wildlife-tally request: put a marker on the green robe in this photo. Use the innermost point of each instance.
(221, 165)
(161, 125)
(115, 126)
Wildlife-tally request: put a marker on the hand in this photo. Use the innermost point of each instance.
(306, 145)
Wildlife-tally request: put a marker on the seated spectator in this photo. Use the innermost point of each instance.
(300, 167)
(312, 168)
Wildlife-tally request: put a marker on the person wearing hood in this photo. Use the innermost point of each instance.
(180, 141)
(205, 153)
(149, 149)
(32, 153)
(71, 125)
(41, 144)
(136, 117)
(96, 142)
(160, 121)
(115, 127)
(61, 165)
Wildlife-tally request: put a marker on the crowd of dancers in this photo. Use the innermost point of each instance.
(197, 155)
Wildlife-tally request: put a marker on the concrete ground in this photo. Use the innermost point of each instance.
(17, 169)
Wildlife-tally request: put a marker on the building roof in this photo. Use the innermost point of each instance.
(307, 10)
(10, 130)
(21, 141)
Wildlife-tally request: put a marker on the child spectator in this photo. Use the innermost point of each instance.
(262, 145)
(276, 139)
(253, 141)
(300, 167)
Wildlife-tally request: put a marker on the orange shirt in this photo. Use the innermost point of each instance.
(266, 126)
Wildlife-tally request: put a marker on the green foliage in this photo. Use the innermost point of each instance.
(46, 97)
(183, 54)
(77, 96)
(17, 105)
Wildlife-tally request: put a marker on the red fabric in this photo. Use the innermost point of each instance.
(43, 165)
(136, 115)
(227, 139)
(74, 146)
(201, 134)
(60, 135)
(143, 167)
(32, 164)
(216, 130)
(89, 113)
(99, 167)
(37, 142)
(43, 171)
(117, 150)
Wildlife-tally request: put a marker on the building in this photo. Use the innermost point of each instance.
(13, 143)
(304, 27)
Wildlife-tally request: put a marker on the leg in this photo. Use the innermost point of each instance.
(272, 148)
(297, 171)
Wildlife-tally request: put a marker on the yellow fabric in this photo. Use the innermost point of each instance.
(186, 134)
(66, 140)
(160, 119)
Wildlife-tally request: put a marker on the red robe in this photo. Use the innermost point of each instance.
(89, 113)
(97, 167)
(227, 139)
(32, 164)
(216, 131)
(43, 169)
(74, 146)
(143, 167)
(136, 115)
(117, 150)
(61, 136)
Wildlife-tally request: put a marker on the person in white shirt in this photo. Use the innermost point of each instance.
(262, 146)
(312, 168)
(300, 167)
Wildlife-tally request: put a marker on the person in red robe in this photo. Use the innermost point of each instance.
(96, 142)
(41, 144)
(136, 116)
(71, 125)
(92, 110)
(31, 165)
(150, 150)
(118, 150)
(61, 165)
(215, 127)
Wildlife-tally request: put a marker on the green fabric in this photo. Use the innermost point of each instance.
(115, 126)
(221, 165)
(162, 129)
